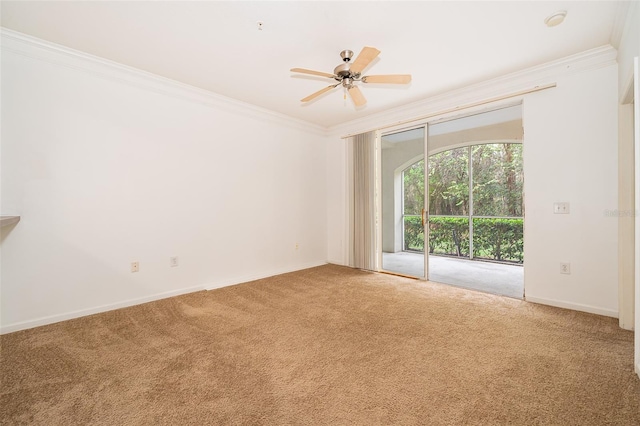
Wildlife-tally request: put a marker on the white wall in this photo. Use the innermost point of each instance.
(570, 154)
(628, 49)
(626, 217)
(105, 171)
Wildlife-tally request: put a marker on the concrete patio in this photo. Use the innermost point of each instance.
(496, 278)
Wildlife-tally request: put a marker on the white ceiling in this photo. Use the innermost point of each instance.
(216, 45)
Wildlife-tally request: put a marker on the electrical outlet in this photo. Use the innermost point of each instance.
(173, 261)
(565, 268)
(561, 208)
(135, 266)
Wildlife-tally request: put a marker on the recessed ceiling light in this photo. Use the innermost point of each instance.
(556, 18)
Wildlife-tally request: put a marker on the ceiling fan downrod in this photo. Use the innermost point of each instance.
(343, 72)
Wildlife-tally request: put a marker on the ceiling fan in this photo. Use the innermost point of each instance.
(348, 73)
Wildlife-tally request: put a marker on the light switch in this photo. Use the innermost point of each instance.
(561, 208)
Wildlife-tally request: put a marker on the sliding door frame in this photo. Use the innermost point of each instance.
(379, 227)
(636, 115)
(450, 115)
(425, 208)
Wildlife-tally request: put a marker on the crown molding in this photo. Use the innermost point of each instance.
(35, 48)
(540, 75)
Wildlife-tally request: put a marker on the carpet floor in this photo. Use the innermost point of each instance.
(326, 345)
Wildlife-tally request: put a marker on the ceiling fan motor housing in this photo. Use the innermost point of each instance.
(343, 70)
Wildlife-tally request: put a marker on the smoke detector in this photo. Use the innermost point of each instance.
(556, 18)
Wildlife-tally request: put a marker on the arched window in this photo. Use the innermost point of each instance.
(484, 222)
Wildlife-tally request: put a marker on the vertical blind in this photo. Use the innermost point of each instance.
(363, 214)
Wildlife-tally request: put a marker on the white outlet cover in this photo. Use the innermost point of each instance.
(565, 268)
(561, 208)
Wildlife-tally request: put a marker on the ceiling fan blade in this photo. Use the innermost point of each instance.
(365, 57)
(318, 93)
(388, 79)
(312, 72)
(356, 95)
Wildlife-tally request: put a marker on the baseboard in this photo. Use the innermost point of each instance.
(626, 325)
(96, 310)
(253, 277)
(4, 329)
(573, 306)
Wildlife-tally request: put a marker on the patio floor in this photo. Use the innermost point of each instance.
(496, 278)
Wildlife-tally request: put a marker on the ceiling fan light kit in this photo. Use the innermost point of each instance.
(348, 73)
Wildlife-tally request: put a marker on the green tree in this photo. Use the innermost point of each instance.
(449, 183)
(497, 180)
(413, 180)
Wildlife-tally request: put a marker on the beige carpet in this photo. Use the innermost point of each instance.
(328, 345)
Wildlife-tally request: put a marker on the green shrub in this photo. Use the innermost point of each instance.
(449, 235)
(498, 239)
(495, 239)
(413, 234)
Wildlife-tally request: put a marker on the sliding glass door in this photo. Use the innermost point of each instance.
(455, 215)
(475, 199)
(403, 214)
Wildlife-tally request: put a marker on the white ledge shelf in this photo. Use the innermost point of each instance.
(8, 220)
